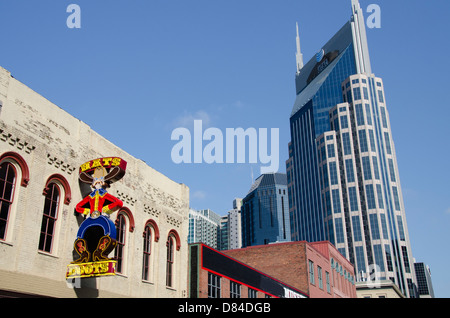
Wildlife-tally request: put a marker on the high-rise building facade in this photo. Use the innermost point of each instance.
(343, 178)
(424, 284)
(230, 236)
(265, 211)
(204, 227)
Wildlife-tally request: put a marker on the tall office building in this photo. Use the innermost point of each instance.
(424, 284)
(204, 227)
(342, 170)
(265, 211)
(230, 228)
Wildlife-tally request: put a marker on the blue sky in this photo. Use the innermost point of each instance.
(160, 64)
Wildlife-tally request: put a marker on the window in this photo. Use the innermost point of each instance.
(388, 143)
(311, 272)
(360, 259)
(319, 277)
(362, 141)
(339, 230)
(368, 114)
(50, 216)
(331, 153)
(328, 202)
(406, 259)
(235, 290)
(147, 251)
(346, 143)
(366, 168)
(325, 176)
(359, 114)
(336, 201)
(356, 229)
(120, 248)
(388, 257)
(353, 198)
(380, 197)
(391, 169)
(170, 261)
(349, 169)
(374, 227)
(384, 226)
(213, 286)
(349, 96)
(378, 253)
(356, 93)
(327, 277)
(344, 122)
(380, 96)
(56, 192)
(366, 93)
(401, 231)
(383, 117)
(370, 196)
(375, 168)
(372, 140)
(333, 173)
(7, 185)
(396, 198)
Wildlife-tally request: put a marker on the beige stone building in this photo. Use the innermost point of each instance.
(41, 150)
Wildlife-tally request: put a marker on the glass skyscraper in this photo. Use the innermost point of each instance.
(265, 211)
(342, 173)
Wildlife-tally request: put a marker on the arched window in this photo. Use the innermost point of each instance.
(7, 185)
(147, 251)
(150, 235)
(14, 174)
(57, 192)
(121, 228)
(124, 225)
(170, 261)
(173, 244)
(50, 216)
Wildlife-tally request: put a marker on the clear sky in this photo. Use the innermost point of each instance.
(136, 70)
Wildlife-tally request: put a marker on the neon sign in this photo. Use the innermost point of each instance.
(96, 236)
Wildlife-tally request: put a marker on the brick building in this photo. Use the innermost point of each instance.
(41, 150)
(317, 269)
(213, 274)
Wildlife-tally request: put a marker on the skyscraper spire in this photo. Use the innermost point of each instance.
(298, 55)
(360, 39)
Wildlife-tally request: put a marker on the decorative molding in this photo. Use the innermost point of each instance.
(64, 183)
(15, 142)
(155, 228)
(22, 164)
(126, 211)
(177, 238)
(173, 220)
(59, 164)
(126, 198)
(151, 210)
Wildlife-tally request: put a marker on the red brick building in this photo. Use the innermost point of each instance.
(317, 269)
(213, 274)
